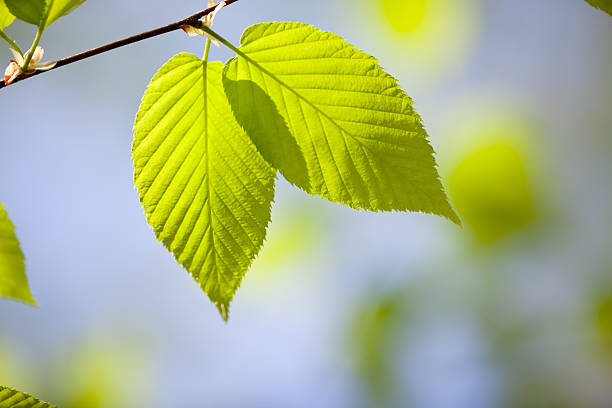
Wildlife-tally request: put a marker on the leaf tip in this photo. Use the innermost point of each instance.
(454, 218)
(223, 308)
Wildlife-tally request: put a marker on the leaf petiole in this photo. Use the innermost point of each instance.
(207, 50)
(28, 58)
(10, 42)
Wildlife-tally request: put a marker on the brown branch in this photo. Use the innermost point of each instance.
(191, 20)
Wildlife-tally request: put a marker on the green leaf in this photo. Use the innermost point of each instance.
(61, 8)
(332, 121)
(605, 5)
(10, 398)
(206, 190)
(13, 281)
(6, 18)
(42, 12)
(30, 11)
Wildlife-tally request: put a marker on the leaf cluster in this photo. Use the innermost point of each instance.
(210, 138)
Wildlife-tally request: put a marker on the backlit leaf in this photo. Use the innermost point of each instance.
(332, 121)
(13, 281)
(205, 189)
(6, 18)
(42, 12)
(61, 8)
(30, 11)
(10, 398)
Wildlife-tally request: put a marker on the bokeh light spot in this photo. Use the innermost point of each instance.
(405, 16)
(491, 191)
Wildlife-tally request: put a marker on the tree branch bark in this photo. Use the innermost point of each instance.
(191, 20)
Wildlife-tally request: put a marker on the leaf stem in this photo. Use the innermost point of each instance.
(243, 55)
(28, 57)
(191, 20)
(224, 41)
(207, 50)
(10, 42)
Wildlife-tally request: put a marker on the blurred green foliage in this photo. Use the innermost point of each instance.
(405, 16)
(435, 36)
(492, 192)
(374, 337)
(95, 372)
(296, 231)
(601, 314)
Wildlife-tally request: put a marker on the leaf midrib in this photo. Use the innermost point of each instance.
(288, 87)
(211, 238)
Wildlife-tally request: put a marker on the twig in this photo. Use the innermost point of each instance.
(191, 20)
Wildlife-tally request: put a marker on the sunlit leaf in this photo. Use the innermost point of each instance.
(42, 12)
(605, 5)
(61, 8)
(30, 11)
(332, 121)
(206, 190)
(6, 18)
(10, 398)
(13, 281)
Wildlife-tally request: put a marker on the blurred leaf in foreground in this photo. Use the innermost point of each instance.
(13, 281)
(112, 368)
(602, 323)
(605, 5)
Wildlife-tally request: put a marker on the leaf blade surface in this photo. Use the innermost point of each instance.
(10, 398)
(206, 190)
(6, 18)
(61, 8)
(361, 141)
(30, 11)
